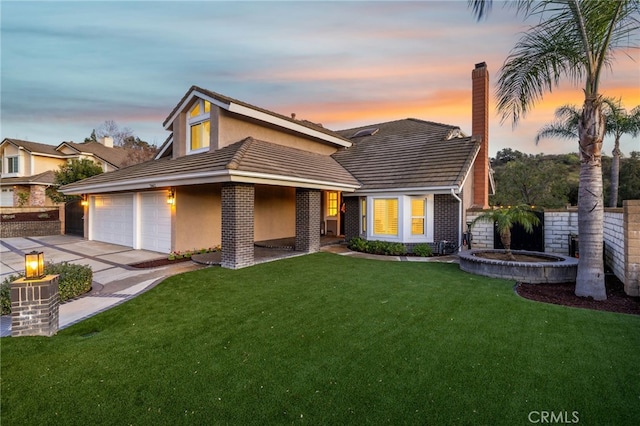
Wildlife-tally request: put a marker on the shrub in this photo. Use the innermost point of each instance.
(377, 247)
(423, 250)
(74, 280)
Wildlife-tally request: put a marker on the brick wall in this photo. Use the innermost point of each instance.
(352, 217)
(307, 220)
(35, 307)
(631, 225)
(237, 225)
(614, 241)
(30, 229)
(445, 221)
(558, 225)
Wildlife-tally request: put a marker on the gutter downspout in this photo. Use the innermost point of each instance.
(459, 218)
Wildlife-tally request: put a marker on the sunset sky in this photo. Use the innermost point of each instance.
(66, 67)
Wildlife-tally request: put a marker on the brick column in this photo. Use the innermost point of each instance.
(307, 220)
(237, 225)
(631, 247)
(34, 307)
(352, 217)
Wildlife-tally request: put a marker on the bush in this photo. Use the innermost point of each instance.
(377, 247)
(75, 280)
(423, 250)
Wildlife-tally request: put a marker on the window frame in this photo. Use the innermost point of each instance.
(332, 205)
(398, 217)
(198, 120)
(423, 216)
(10, 164)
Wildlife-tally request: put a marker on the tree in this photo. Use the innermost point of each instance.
(111, 129)
(138, 151)
(532, 180)
(573, 39)
(505, 218)
(70, 172)
(619, 122)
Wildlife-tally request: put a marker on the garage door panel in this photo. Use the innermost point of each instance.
(112, 219)
(155, 222)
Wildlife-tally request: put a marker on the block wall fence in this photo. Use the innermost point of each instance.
(621, 238)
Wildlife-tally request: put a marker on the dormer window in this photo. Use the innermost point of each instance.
(199, 126)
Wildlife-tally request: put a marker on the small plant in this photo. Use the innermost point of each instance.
(43, 216)
(358, 244)
(423, 250)
(23, 198)
(8, 216)
(377, 247)
(74, 281)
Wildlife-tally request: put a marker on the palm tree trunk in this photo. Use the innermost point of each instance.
(615, 174)
(505, 239)
(590, 278)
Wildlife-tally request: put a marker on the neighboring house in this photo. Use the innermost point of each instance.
(231, 174)
(27, 167)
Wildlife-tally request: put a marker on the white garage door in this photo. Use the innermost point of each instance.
(7, 197)
(112, 219)
(155, 222)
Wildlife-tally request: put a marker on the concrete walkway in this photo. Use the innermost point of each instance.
(114, 282)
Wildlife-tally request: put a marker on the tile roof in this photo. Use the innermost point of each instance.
(36, 147)
(249, 156)
(115, 155)
(408, 153)
(228, 100)
(45, 178)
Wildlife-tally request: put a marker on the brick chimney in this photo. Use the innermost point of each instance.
(107, 141)
(480, 131)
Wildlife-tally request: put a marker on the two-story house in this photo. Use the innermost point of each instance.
(27, 167)
(232, 174)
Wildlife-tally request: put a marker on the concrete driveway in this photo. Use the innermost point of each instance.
(113, 280)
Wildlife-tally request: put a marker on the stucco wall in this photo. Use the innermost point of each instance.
(43, 164)
(197, 217)
(275, 212)
(232, 129)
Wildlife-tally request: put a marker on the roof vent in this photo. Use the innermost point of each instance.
(365, 132)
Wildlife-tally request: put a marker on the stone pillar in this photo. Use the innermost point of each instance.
(237, 225)
(34, 307)
(631, 247)
(308, 220)
(352, 217)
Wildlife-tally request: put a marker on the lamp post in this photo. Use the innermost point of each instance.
(35, 300)
(34, 265)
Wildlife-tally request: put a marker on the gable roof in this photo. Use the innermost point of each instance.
(114, 156)
(35, 147)
(249, 160)
(408, 154)
(253, 112)
(44, 178)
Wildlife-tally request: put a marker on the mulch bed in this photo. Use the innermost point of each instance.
(563, 294)
(158, 262)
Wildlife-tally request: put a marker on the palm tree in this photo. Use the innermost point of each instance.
(618, 122)
(505, 218)
(573, 39)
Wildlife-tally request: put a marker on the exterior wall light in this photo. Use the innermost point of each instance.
(34, 265)
(171, 198)
(84, 201)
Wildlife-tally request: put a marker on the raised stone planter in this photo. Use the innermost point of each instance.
(559, 269)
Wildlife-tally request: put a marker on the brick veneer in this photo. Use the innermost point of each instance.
(35, 307)
(352, 217)
(446, 212)
(237, 225)
(40, 228)
(632, 246)
(307, 220)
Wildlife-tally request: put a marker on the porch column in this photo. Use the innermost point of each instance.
(237, 225)
(307, 220)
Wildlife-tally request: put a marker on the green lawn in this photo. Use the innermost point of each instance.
(328, 339)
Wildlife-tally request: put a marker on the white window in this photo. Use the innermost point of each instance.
(332, 204)
(12, 164)
(199, 124)
(385, 216)
(417, 216)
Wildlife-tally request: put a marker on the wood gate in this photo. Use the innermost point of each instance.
(74, 218)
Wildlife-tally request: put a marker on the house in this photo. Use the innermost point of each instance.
(27, 167)
(231, 174)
